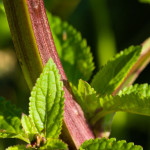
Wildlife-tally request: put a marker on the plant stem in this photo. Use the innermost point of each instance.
(29, 26)
(24, 41)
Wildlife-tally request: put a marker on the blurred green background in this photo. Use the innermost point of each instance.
(109, 26)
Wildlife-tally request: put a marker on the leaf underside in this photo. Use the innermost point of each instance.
(109, 78)
(108, 144)
(47, 102)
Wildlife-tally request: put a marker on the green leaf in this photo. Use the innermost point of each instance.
(28, 126)
(73, 51)
(18, 147)
(52, 144)
(10, 124)
(108, 144)
(47, 102)
(21, 135)
(141, 89)
(9, 117)
(86, 97)
(134, 99)
(108, 79)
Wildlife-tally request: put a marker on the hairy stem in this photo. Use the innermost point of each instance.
(34, 44)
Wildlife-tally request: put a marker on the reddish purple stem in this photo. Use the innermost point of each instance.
(74, 119)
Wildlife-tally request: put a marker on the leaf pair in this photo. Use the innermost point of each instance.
(107, 80)
(97, 100)
(43, 125)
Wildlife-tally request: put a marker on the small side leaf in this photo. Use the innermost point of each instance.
(47, 102)
(108, 79)
(28, 126)
(108, 144)
(53, 144)
(18, 147)
(87, 98)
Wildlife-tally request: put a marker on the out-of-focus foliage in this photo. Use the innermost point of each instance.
(62, 8)
(4, 28)
(144, 1)
(105, 39)
(73, 51)
(7, 62)
(9, 117)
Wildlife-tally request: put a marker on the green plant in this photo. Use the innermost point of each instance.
(109, 91)
(42, 127)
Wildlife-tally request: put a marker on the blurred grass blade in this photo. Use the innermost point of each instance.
(106, 46)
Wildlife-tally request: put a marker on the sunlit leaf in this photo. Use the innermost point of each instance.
(108, 79)
(47, 102)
